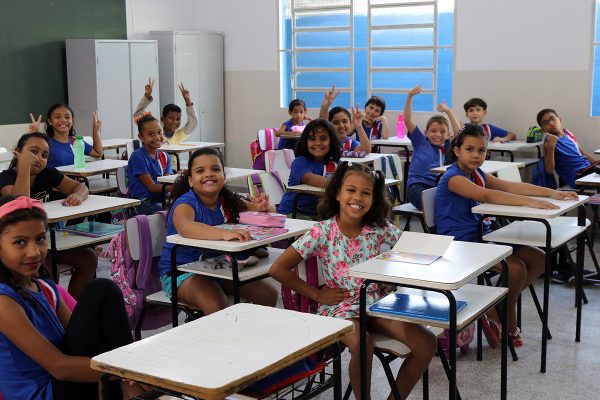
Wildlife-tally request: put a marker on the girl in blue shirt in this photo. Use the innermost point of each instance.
(317, 154)
(297, 111)
(45, 350)
(429, 149)
(199, 202)
(146, 164)
(59, 128)
(463, 186)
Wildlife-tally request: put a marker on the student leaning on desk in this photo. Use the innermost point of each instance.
(29, 175)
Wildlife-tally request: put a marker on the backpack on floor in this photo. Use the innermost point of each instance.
(138, 279)
(463, 339)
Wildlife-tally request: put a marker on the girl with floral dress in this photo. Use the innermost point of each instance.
(354, 208)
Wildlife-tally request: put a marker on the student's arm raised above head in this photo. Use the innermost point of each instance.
(408, 119)
(456, 124)
(146, 98)
(465, 188)
(328, 99)
(357, 118)
(17, 327)
(97, 149)
(192, 117)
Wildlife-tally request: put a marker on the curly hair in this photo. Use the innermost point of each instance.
(380, 209)
(335, 147)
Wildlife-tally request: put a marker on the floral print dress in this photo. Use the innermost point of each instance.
(336, 252)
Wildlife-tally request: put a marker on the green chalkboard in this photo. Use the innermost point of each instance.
(32, 49)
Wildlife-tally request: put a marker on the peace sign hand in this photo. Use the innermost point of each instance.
(148, 88)
(96, 123)
(186, 95)
(34, 126)
(330, 96)
(357, 115)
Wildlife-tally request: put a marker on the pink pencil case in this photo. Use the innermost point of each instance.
(262, 219)
(298, 128)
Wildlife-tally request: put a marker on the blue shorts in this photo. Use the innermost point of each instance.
(166, 282)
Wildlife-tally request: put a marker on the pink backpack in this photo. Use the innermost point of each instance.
(266, 141)
(463, 339)
(137, 279)
(295, 301)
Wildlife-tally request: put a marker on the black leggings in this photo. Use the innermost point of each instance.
(98, 324)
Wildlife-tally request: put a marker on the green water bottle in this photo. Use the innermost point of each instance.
(79, 152)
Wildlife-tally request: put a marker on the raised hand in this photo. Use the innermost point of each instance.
(148, 88)
(443, 107)
(34, 125)
(242, 235)
(332, 296)
(25, 159)
(186, 95)
(357, 115)
(415, 91)
(96, 123)
(330, 96)
(261, 202)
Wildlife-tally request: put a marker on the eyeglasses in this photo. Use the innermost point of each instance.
(547, 122)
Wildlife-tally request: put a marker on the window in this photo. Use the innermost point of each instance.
(596, 67)
(366, 48)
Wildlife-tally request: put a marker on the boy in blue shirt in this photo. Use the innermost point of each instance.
(562, 153)
(476, 110)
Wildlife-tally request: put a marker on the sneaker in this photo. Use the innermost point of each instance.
(562, 276)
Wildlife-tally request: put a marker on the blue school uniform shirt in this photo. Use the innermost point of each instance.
(285, 143)
(202, 214)
(141, 163)
(21, 378)
(374, 131)
(62, 153)
(453, 214)
(300, 166)
(349, 144)
(567, 158)
(425, 157)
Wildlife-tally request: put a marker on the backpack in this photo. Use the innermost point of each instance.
(534, 134)
(463, 339)
(265, 141)
(295, 301)
(137, 279)
(394, 190)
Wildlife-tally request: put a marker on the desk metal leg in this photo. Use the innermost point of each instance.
(174, 299)
(54, 254)
(104, 386)
(337, 372)
(363, 338)
(579, 271)
(236, 278)
(504, 361)
(452, 345)
(545, 310)
(178, 162)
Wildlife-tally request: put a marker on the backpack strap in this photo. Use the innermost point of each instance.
(392, 166)
(271, 158)
(257, 182)
(375, 131)
(163, 161)
(478, 179)
(384, 166)
(145, 263)
(49, 293)
(277, 177)
(329, 168)
(287, 154)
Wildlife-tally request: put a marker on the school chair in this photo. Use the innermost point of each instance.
(269, 183)
(386, 349)
(157, 224)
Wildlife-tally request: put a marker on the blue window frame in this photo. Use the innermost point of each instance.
(366, 48)
(596, 67)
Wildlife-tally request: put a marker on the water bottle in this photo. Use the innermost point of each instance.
(79, 152)
(400, 127)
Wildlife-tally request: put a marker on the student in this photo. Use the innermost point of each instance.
(45, 350)
(476, 109)
(199, 202)
(374, 122)
(462, 187)
(562, 153)
(61, 134)
(317, 154)
(146, 164)
(345, 123)
(297, 110)
(354, 207)
(171, 114)
(29, 175)
(429, 149)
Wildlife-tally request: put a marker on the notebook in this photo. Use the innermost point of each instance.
(409, 305)
(256, 232)
(93, 229)
(411, 258)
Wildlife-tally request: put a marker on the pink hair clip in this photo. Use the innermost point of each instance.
(20, 203)
(137, 118)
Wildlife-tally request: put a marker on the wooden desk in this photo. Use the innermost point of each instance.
(488, 166)
(189, 147)
(295, 227)
(449, 275)
(93, 205)
(225, 352)
(514, 146)
(526, 232)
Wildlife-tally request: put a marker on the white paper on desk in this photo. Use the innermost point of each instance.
(423, 243)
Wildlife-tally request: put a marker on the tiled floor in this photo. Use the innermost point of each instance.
(573, 369)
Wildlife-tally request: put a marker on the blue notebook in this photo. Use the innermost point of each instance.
(432, 308)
